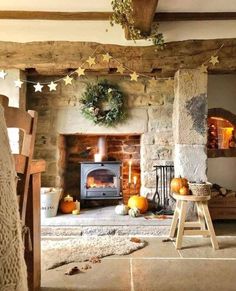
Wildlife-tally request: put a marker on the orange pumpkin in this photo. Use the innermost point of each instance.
(184, 190)
(67, 205)
(139, 202)
(177, 183)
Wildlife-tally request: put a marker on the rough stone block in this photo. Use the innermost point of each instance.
(190, 108)
(147, 139)
(131, 87)
(153, 152)
(164, 138)
(69, 120)
(51, 168)
(190, 161)
(160, 118)
(149, 179)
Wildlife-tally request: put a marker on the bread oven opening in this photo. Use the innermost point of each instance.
(221, 133)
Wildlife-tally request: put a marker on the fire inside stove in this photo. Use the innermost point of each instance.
(101, 178)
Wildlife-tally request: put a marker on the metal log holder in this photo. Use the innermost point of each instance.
(162, 196)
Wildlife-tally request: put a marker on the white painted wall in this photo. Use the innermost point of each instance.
(8, 89)
(102, 32)
(222, 93)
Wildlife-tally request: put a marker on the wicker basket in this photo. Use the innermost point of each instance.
(199, 189)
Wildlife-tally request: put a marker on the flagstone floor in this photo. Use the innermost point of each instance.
(158, 266)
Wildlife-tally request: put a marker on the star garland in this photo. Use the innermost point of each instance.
(106, 57)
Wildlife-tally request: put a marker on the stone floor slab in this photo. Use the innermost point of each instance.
(108, 275)
(183, 275)
(201, 248)
(156, 248)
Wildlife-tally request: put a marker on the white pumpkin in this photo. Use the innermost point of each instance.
(134, 212)
(121, 209)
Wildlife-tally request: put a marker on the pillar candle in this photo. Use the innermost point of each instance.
(135, 180)
(130, 168)
(77, 204)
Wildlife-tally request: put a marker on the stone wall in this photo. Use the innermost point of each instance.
(149, 110)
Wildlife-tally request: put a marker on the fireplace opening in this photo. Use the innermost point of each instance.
(113, 162)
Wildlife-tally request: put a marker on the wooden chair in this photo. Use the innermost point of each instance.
(26, 121)
(196, 227)
(29, 185)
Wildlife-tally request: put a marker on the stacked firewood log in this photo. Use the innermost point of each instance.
(218, 190)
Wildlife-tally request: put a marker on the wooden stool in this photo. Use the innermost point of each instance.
(204, 219)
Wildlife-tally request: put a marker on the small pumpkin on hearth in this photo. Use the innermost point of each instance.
(139, 202)
(177, 183)
(134, 212)
(184, 190)
(67, 205)
(122, 209)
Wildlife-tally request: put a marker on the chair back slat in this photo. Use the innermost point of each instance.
(27, 122)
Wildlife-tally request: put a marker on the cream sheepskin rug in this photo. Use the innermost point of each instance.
(57, 252)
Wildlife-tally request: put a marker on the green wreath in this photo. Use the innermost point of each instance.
(103, 104)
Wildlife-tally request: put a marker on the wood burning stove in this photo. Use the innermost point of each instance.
(100, 180)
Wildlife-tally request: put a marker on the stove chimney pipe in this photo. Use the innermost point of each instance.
(102, 147)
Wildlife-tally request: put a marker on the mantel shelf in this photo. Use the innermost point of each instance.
(225, 153)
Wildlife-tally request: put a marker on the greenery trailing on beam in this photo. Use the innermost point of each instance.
(123, 15)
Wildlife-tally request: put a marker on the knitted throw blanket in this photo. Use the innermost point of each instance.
(12, 265)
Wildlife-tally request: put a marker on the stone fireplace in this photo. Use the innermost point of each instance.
(64, 134)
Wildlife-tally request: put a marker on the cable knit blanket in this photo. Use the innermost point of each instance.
(12, 265)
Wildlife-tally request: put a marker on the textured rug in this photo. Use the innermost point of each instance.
(60, 251)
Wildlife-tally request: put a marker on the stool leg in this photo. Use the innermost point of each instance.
(175, 219)
(210, 225)
(201, 216)
(182, 217)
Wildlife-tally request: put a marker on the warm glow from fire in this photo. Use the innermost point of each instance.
(226, 135)
(93, 183)
(219, 133)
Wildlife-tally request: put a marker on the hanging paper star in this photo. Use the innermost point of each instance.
(134, 76)
(52, 86)
(91, 61)
(214, 60)
(106, 57)
(203, 68)
(18, 83)
(68, 80)
(152, 81)
(38, 87)
(80, 71)
(120, 69)
(2, 74)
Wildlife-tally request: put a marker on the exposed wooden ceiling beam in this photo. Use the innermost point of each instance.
(55, 15)
(143, 14)
(51, 56)
(191, 16)
(97, 16)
